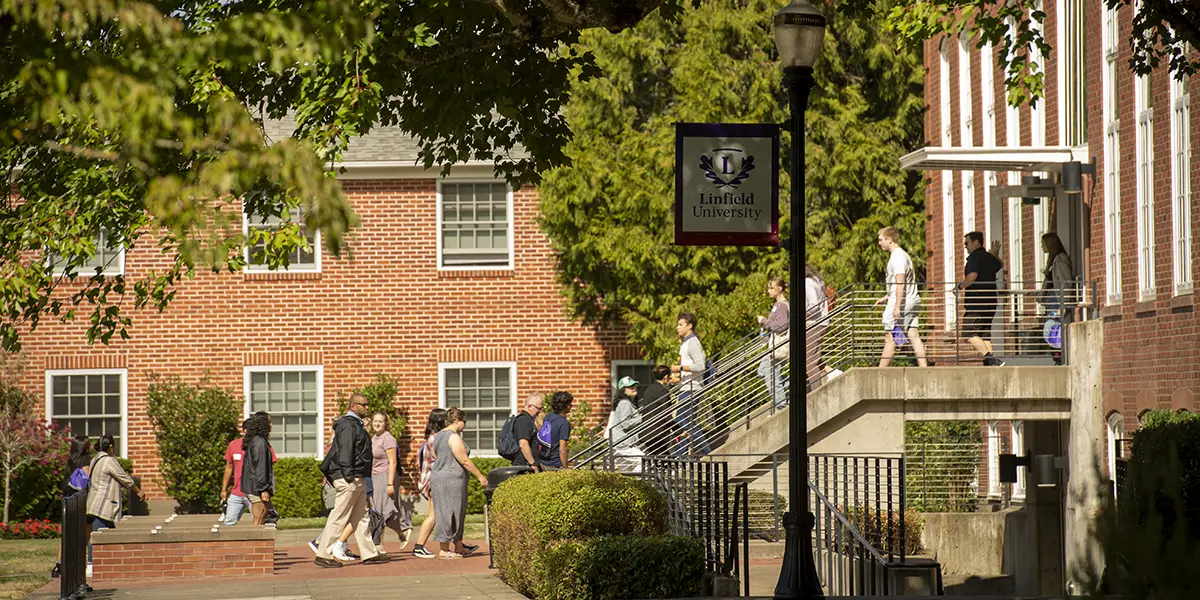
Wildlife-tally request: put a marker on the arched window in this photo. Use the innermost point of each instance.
(1116, 436)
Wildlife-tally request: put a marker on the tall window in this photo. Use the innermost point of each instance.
(967, 119)
(474, 225)
(1018, 448)
(293, 396)
(1112, 148)
(109, 259)
(91, 403)
(1073, 69)
(1116, 436)
(949, 240)
(1037, 108)
(299, 259)
(987, 75)
(1181, 183)
(1144, 107)
(639, 370)
(487, 392)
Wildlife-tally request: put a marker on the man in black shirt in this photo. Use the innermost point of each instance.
(657, 394)
(525, 431)
(979, 300)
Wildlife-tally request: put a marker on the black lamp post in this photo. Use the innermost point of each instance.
(799, 33)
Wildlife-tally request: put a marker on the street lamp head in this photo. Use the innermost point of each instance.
(799, 32)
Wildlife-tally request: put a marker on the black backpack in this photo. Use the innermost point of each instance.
(506, 442)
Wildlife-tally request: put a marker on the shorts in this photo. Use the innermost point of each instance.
(977, 320)
(908, 320)
(254, 498)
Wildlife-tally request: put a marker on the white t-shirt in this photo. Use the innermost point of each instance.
(691, 355)
(816, 305)
(901, 264)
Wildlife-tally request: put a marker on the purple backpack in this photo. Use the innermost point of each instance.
(79, 479)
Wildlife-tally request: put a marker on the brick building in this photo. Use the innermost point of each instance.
(1128, 228)
(448, 286)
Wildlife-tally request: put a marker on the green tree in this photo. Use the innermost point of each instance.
(609, 213)
(140, 123)
(192, 425)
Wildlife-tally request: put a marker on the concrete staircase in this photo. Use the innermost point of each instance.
(863, 411)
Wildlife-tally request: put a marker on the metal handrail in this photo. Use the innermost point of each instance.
(841, 518)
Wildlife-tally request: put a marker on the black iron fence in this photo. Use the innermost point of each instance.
(73, 582)
(701, 503)
(847, 563)
(869, 492)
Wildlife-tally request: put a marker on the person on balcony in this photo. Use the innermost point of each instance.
(691, 377)
(903, 300)
(776, 323)
(979, 299)
(1059, 276)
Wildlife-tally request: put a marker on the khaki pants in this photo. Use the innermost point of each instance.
(349, 506)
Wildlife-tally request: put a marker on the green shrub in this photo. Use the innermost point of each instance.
(298, 483)
(193, 426)
(37, 490)
(935, 453)
(1162, 479)
(877, 532)
(381, 397)
(532, 512)
(620, 567)
(475, 499)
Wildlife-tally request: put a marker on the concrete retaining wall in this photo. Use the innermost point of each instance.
(983, 544)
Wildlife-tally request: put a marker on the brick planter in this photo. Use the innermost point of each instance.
(184, 548)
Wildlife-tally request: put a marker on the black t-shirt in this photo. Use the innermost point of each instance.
(525, 429)
(986, 267)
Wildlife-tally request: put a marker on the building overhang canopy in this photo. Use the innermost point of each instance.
(1020, 158)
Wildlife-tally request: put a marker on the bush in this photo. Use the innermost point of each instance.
(475, 498)
(532, 513)
(37, 490)
(620, 567)
(1162, 479)
(298, 483)
(876, 530)
(29, 529)
(381, 397)
(193, 426)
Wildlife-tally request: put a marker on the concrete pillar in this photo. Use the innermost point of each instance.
(1045, 505)
(1087, 485)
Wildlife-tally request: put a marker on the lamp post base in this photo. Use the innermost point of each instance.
(798, 577)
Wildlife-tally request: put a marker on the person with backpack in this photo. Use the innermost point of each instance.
(105, 480)
(518, 437)
(78, 459)
(554, 436)
(347, 466)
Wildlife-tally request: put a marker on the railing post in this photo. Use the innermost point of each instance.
(903, 509)
(775, 493)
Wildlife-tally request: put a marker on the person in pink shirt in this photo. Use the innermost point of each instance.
(237, 501)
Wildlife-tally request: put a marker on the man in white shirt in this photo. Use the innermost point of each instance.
(903, 299)
(691, 377)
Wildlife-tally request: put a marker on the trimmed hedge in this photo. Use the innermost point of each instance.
(193, 424)
(475, 498)
(298, 487)
(1162, 480)
(622, 566)
(534, 515)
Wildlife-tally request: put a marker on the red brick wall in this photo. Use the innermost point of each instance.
(1152, 349)
(176, 560)
(381, 308)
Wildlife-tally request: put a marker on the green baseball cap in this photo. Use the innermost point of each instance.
(626, 382)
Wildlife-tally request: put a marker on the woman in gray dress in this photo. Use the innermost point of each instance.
(448, 483)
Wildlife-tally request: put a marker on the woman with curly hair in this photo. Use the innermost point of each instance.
(435, 423)
(258, 471)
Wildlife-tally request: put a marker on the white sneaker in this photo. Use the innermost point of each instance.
(339, 552)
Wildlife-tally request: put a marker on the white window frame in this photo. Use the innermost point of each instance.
(107, 271)
(1018, 448)
(1112, 163)
(320, 369)
(1114, 428)
(1181, 186)
(948, 238)
(512, 237)
(124, 373)
(1037, 107)
(1144, 114)
(1072, 89)
(966, 107)
(512, 384)
(314, 267)
(993, 446)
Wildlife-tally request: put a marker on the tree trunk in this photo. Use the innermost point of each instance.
(7, 491)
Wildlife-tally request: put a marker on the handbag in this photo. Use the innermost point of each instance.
(781, 346)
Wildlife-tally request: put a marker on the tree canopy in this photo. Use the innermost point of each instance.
(609, 213)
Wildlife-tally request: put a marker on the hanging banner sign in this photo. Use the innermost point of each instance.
(726, 184)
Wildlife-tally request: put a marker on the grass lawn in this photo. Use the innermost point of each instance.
(473, 527)
(25, 566)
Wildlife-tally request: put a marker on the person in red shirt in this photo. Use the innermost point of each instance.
(237, 501)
